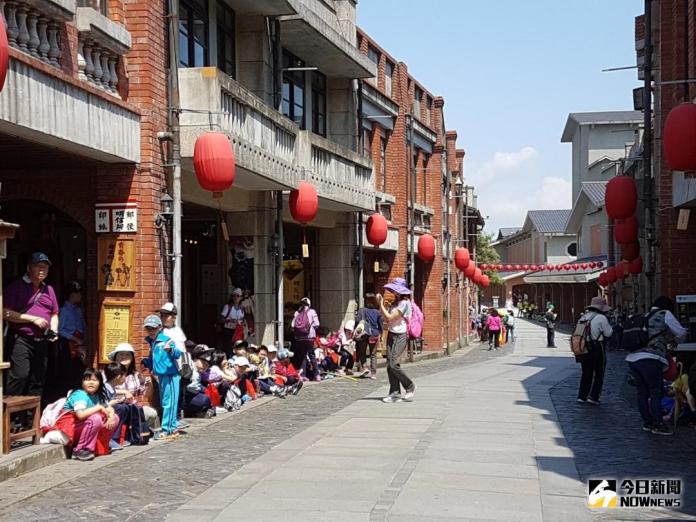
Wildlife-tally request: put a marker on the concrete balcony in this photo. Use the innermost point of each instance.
(271, 151)
(326, 39)
(42, 104)
(340, 175)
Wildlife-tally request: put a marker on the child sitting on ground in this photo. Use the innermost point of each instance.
(267, 382)
(327, 346)
(118, 399)
(92, 415)
(347, 348)
(280, 374)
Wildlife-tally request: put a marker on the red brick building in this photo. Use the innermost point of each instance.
(79, 119)
(403, 129)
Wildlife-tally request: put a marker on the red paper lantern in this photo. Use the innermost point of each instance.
(603, 279)
(477, 276)
(622, 270)
(4, 52)
(575, 266)
(469, 270)
(485, 281)
(566, 268)
(599, 264)
(626, 230)
(630, 252)
(584, 266)
(462, 258)
(508, 268)
(213, 161)
(304, 203)
(484, 266)
(679, 137)
(376, 229)
(635, 266)
(611, 275)
(426, 248)
(621, 197)
(593, 264)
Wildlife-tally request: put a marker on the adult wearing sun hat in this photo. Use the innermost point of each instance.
(396, 318)
(594, 362)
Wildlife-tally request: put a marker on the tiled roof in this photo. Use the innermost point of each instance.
(595, 190)
(508, 231)
(549, 221)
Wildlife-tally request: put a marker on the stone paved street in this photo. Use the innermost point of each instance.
(490, 436)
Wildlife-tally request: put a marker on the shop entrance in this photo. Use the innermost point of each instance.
(300, 274)
(203, 269)
(46, 229)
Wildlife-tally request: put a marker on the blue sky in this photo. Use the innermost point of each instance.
(510, 72)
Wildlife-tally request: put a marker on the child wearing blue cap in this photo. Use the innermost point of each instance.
(164, 353)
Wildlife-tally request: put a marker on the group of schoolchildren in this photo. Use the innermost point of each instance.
(122, 406)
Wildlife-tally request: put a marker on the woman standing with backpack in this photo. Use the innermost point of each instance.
(368, 335)
(304, 328)
(650, 361)
(397, 319)
(597, 330)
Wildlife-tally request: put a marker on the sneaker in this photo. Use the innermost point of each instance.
(648, 427)
(182, 425)
(662, 429)
(219, 410)
(349, 372)
(169, 436)
(318, 378)
(125, 444)
(582, 401)
(409, 394)
(83, 455)
(391, 399)
(340, 372)
(114, 446)
(593, 401)
(281, 392)
(297, 387)
(209, 414)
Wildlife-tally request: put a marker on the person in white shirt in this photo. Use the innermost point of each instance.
(648, 363)
(168, 313)
(594, 363)
(397, 339)
(232, 322)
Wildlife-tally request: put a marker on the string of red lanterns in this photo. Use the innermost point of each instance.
(593, 265)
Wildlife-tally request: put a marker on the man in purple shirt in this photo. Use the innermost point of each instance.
(31, 309)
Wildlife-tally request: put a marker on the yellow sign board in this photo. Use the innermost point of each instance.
(116, 261)
(114, 326)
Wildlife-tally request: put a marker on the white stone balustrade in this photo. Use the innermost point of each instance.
(100, 45)
(35, 26)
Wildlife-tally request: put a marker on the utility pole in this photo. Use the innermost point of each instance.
(648, 181)
(173, 120)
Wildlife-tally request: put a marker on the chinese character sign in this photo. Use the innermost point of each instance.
(120, 217)
(116, 259)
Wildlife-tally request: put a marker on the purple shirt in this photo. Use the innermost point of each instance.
(20, 297)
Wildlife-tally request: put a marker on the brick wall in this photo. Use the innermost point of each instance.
(399, 160)
(675, 274)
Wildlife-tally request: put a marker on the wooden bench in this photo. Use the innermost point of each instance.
(14, 404)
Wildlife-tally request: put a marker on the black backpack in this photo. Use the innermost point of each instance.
(138, 429)
(636, 333)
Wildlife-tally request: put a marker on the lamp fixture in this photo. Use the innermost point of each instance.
(167, 213)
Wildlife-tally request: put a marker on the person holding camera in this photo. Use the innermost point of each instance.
(31, 309)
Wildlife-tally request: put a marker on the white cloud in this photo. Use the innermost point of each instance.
(511, 183)
(502, 163)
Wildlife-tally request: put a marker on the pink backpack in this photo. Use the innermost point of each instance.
(414, 324)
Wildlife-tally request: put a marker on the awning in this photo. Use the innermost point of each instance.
(563, 278)
(316, 42)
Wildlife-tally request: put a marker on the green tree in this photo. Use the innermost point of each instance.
(486, 254)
